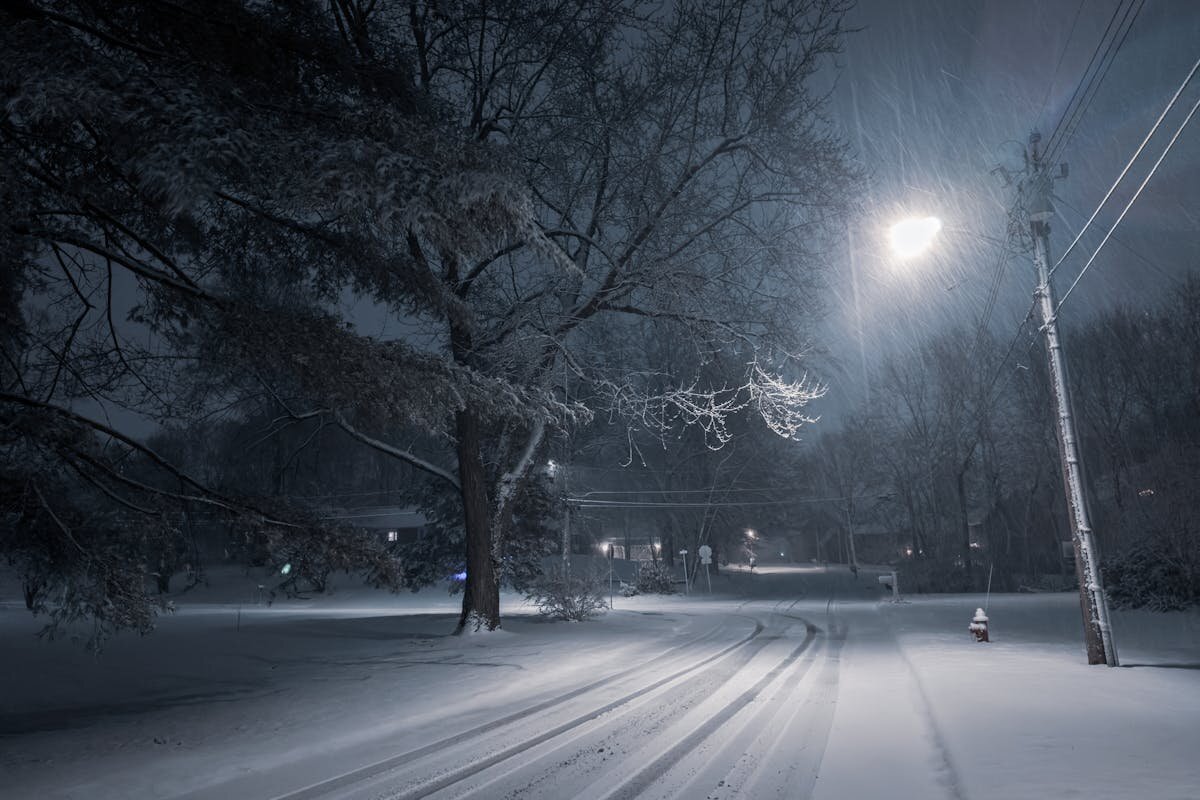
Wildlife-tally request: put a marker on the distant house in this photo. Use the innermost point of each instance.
(390, 523)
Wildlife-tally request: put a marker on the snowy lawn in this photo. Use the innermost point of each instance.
(223, 687)
(1025, 716)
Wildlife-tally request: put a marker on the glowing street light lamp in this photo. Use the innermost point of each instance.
(913, 236)
(751, 555)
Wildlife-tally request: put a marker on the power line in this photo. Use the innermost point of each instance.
(686, 491)
(1128, 205)
(1095, 86)
(1061, 56)
(1053, 148)
(581, 502)
(1068, 111)
(1129, 164)
(1008, 352)
(993, 294)
(1154, 265)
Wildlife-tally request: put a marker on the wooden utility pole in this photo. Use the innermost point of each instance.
(1036, 189)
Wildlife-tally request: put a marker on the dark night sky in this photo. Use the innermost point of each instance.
(936, 93)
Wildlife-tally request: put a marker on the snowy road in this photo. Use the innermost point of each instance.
(794, 682)
(743, 707)
(680, 724)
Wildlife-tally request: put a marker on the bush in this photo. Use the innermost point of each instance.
(923, 575)
(1148, 576)
(655, 578)
(568, 597)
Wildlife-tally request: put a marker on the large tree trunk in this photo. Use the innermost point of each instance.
(481, 593)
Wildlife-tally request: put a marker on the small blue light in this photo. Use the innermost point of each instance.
(286, 569)
(460, 576)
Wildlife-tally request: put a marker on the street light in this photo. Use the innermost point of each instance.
(913, 236)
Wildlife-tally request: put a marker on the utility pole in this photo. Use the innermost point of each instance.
(566, 538)
(850, 539)
(1035, 191)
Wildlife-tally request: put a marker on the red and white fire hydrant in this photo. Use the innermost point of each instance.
(979, 626)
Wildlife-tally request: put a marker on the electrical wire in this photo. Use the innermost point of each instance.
(1068, 111)
(1009, 351)
(1061, 56)
(589, 495)
(1064, 133)
(993, 294)
(582, 502)
(1128, 205)
(1174, 98)
(648, 504)
(1154, 265)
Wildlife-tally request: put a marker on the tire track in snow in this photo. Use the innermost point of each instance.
(777, 750)
(561, 767)
(953, 781)
(792, 760)
(452, 778)
(640, 781)
(379, 768)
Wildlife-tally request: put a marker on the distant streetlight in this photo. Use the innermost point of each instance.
(913, 236)
(751, 557)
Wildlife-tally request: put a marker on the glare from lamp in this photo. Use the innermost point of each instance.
(913, 236)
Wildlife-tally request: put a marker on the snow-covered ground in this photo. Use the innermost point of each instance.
(792, 682)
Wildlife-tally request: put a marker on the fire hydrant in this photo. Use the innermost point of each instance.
(979, 626)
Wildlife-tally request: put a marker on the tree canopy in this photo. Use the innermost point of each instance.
(194, 196)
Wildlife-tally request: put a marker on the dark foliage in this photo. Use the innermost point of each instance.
(1148, 575)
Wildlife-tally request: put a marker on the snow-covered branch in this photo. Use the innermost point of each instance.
(780, 404)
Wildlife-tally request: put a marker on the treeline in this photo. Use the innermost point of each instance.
(952, 469)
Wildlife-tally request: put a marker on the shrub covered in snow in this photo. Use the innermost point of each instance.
(654, 578)
(568, 597)
(1150, 575)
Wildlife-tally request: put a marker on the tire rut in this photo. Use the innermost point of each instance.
(376, 769)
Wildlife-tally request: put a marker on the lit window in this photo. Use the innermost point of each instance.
(392, 536)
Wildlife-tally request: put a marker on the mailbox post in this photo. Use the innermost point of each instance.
(893, 582)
